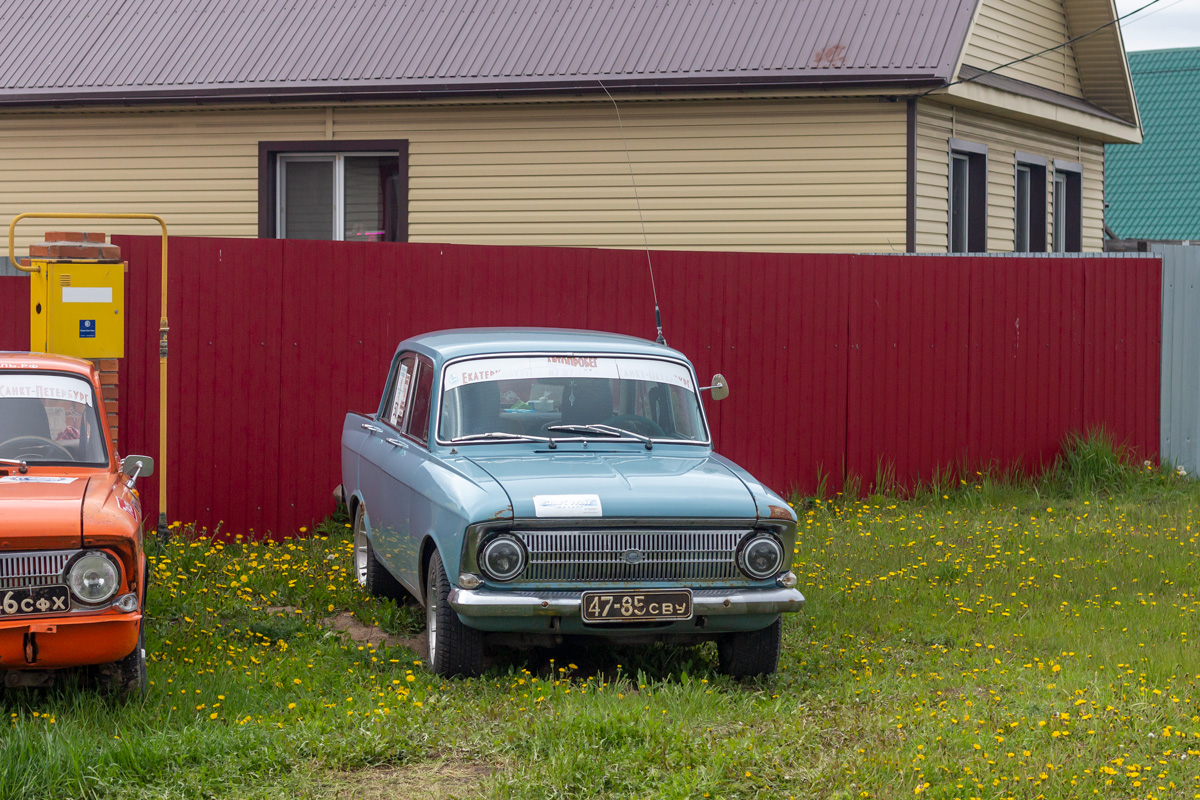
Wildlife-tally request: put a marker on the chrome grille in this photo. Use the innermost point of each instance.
(595, 556)
(23, 570)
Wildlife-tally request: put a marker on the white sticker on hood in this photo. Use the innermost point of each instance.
(567, 505)
(35, 479)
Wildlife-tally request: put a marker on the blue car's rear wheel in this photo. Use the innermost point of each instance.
(454, 649)
(372, 575)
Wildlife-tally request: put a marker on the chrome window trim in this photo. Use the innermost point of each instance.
(436, 409)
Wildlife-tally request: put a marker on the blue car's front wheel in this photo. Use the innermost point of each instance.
(454, 648)
(751, 654)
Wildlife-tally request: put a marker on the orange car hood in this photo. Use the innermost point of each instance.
(41, 512)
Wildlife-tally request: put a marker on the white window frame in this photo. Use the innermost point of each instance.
(1059, 211)
(339, 185)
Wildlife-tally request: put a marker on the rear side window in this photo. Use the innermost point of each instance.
(417, 425)
(401, 387)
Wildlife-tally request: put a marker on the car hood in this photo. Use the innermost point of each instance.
(649, 485)
(41, 511)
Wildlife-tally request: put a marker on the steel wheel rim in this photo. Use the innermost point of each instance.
(431, 618)
(360, 549)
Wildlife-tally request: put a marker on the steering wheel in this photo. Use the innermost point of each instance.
(636, 423)
(39, 443)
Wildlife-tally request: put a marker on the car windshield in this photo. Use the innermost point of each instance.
(604, 397)
(50, 419)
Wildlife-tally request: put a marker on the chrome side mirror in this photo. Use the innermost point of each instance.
(719, 388)
(137, 467)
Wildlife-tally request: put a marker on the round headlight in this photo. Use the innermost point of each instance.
(502, 558)
(761, 557)
(94, 577)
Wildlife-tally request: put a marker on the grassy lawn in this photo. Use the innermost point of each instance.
(986, 640)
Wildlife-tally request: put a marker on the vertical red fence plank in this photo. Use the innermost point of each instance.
(1121, 351)
(14, 312)
(907, 412)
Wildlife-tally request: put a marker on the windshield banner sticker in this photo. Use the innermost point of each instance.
(567, 505)
(656, 371)
(46, 387)
(35, 479)
(545, 367)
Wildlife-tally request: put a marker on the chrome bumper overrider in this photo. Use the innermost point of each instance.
(705, 602)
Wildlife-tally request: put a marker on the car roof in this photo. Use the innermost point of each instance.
(17, 360)
(455, 343)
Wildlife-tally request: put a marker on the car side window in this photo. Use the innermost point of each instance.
(400, 390)
(417, 424)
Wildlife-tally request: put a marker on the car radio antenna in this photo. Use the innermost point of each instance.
(633, 180)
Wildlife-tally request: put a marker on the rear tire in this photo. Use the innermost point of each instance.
(371, 573)
(751, 654)
(454, 648)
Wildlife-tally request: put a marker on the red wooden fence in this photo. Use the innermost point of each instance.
(839, 365)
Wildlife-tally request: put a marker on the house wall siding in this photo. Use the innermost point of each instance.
(1006, 30)
(937, 123)
(777, 175)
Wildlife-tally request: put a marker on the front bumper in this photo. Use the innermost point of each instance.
(705, 602)
(67, 641)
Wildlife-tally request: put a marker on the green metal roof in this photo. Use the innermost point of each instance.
(1153, 188)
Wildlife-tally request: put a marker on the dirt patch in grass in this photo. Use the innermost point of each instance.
(349, 625)
(442, 781)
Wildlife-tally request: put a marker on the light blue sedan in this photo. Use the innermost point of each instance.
(528, 485)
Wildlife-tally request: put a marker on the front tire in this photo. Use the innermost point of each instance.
(751, 654)
(126, 678)
(372, 575)
(454, 648)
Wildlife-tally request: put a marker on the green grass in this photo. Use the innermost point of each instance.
(1001, 638)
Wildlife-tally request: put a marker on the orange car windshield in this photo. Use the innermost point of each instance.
(50, 419)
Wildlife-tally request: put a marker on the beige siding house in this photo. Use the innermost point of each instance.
(864, 125)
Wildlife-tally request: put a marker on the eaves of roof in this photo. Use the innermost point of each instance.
(331, 92)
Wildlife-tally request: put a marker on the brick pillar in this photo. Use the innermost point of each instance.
(68, 246)
(108, 384)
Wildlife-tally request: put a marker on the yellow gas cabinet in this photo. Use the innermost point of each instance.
(77, 308)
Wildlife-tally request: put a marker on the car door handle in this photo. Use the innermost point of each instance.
(397, 443)
(370, 428)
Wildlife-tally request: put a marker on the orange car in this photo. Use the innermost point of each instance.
(72, 570)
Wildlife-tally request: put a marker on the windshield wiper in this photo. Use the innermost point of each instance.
(608, 430)
(21, 466)
(524, 437)
(585, 429)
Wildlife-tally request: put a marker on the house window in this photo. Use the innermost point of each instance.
(968, 197)
(341, 191)
(1068, 206)
(1029, 224)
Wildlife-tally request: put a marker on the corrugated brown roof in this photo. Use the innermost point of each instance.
(130, 50)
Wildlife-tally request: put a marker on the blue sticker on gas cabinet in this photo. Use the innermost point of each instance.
(87, 329)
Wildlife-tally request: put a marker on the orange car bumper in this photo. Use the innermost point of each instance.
(56, 642)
